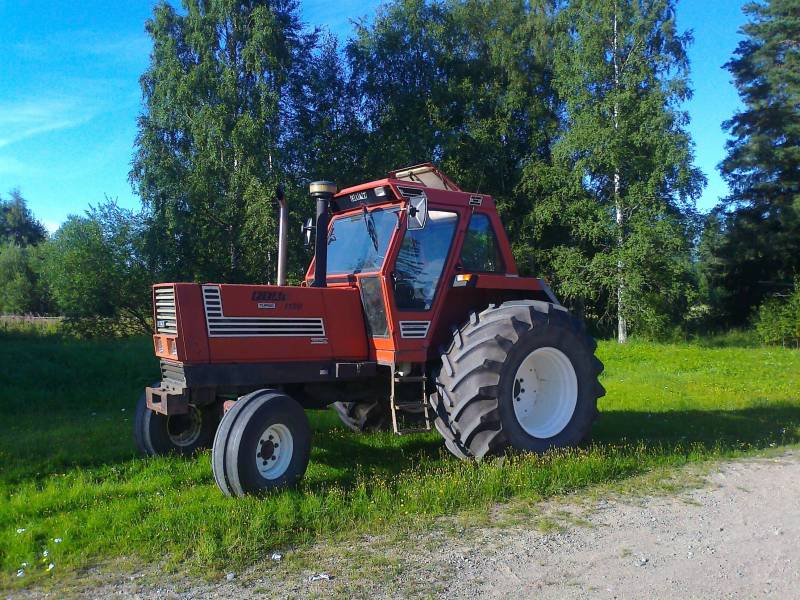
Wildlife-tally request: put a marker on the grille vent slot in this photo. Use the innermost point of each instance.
(414, 329)
(166, 319)
(221, 326)
(172, 373)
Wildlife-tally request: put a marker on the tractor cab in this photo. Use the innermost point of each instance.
(417, 247)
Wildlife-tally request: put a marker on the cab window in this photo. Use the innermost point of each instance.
(421, 261)
(481, 251)
(358, 243)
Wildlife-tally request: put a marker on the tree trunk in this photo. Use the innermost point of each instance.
(232, 250)
(622, 324)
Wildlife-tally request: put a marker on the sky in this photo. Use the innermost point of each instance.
(70, 96)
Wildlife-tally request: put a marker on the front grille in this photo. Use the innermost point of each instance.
(221, 326)
(265, 327)
(166, 320)
(172, 374)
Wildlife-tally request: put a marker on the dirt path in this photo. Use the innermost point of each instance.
(736, 537)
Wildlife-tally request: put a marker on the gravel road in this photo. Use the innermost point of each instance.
(737, 536)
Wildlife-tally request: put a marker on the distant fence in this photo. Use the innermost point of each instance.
(33, 319)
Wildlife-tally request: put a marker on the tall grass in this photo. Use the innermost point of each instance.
(28, 325)
(68, 469)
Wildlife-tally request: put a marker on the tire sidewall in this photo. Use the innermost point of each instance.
(542, 336)
(152, 435)
(266, 410)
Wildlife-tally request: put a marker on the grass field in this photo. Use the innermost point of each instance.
(68, 469)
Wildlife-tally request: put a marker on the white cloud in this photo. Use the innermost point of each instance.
(122, 48)
(21, 120)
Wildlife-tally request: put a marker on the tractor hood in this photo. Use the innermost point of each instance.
(199, 323)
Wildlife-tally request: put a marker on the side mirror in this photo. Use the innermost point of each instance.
(307, 231)
(417, 211)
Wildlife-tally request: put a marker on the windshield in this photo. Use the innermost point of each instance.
(357, 243)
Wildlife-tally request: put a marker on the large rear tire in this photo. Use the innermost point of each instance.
(157, 435)
(523, 375)
(263, 443)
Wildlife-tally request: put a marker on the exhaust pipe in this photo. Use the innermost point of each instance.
(283, 226)
(323, 192)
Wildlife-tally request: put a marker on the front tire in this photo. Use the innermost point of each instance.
(158, 435)
(263, 443)
(520, 375)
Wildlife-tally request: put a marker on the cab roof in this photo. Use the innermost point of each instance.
(426, 175)
(404, 183)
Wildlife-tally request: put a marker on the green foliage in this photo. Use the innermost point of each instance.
(17, 224)
(778, 320)
(618, 212)
(70, 470)
(95, 268)
(26, 326)
(16, 281)
(213, 138)
(759, 252)
(464, 84)
(21, 290)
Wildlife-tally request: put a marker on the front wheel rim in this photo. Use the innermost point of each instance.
(184, 430)
(545, 392)
(274, 451)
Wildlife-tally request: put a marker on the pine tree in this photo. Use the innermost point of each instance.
(18, 226)
(760, 253)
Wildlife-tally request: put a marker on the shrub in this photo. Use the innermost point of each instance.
(96, 272)
(778, 320)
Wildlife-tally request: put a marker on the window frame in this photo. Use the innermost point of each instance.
(447, 260)
(502, 268)
(390, 208)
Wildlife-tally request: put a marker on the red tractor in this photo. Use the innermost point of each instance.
(412, 315)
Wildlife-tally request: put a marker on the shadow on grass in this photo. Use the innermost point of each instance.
(348, 453)
(57, 447)
(756, 427)
(735, 338)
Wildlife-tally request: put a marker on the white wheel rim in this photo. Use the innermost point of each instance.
(184, 430)
(274, 451)
(545, 392)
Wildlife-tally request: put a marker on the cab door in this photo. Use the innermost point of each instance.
(421, 270)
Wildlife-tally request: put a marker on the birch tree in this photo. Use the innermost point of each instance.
(210, 146)
(622, 73)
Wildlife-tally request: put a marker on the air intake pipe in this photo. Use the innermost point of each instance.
(283, 226)
(322, 192)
